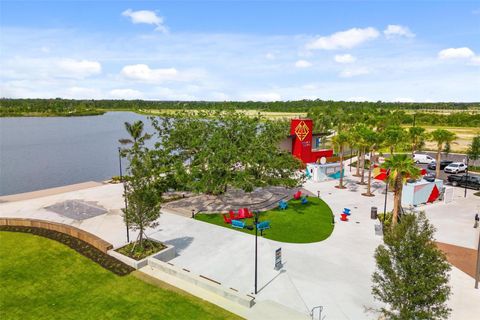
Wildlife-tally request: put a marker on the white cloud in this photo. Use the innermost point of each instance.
(263, 96)
(146, 17)
(395, 30)
(407, 100)
(127, 94)
(456, 53)
(79, 68)
(475, 60)
(349, 73)
(82, 92)
(344, 39)
(270, 56)
(303, 64)
(143, 72)
(344, 58)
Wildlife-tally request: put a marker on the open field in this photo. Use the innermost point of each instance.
(43, 279)
(267, 114)
(461, 144)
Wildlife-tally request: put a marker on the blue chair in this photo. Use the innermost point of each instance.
(283, 205)
(264, 225)
(238, 224)
(346, 211)
(304, 200)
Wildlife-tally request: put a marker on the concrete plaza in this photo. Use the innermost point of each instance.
(335, 273)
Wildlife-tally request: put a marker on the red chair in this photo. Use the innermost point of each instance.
(297, 195)
(248, 213)
(343, 217)
(232, 215)
(226, 219)
(241, 213)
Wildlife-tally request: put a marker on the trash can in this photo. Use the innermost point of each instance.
(373, 213)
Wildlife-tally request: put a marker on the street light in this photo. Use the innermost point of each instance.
(466, 179)
(256, 236)
(124, 190)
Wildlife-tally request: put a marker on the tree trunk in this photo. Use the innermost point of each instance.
(362, 181)
(392, 149)
(340, 182)
(437, 165)
(397, 199)
(357, 173)
(369, 183)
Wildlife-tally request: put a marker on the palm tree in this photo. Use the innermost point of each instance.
(394, 136)
(374, 140)
(340, 140)
(135, 130)
(401, 166)
(442, 137)
(417, 136)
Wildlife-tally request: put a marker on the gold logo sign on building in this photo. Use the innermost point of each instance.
(301, 130)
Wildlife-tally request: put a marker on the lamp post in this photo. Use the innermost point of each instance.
(466, 180)
(124, 190)
(256, 248)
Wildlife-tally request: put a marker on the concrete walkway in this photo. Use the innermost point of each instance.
(335, 273)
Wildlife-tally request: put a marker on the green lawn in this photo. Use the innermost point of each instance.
(43, 279)
(300, 223)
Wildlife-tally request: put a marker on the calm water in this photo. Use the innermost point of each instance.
(39, 153)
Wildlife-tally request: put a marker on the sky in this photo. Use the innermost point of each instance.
(410, 51)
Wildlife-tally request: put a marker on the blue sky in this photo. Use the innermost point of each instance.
(241, 50)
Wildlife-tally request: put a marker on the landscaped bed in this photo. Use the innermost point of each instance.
(44, 279)
(299, 223)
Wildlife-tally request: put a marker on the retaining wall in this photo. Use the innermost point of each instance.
(89, 238)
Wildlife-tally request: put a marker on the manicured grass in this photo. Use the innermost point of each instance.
(43, 279)
(299, 223)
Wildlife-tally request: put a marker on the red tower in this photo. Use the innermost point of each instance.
(302, 132)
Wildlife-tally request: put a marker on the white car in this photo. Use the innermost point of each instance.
(455, 167)
(422, 158)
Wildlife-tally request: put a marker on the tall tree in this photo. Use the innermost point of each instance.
(442, 137)
(340, 140)
(143, 188)
(215, 150)
(412, 273)
(401, 167)
(394, 137)
(374, 140)
(474, 149)
(417, 137)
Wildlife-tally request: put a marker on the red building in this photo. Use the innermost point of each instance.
(302, 141)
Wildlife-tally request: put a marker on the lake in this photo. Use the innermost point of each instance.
(39, 153)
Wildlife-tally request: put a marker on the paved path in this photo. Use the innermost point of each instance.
(334, 273)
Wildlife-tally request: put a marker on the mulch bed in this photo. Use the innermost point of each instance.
(464, 259)
(85, 249)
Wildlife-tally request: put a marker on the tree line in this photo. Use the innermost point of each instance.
(463, 114)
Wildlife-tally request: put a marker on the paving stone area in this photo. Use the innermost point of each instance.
(77, 209)
(234, 199)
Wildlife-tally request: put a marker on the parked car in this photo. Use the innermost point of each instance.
(433, 165)
(464, 181)
(455, 167)
(422, 158)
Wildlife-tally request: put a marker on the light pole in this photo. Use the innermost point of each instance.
(124, 190)
(256, 236)
(466, 179)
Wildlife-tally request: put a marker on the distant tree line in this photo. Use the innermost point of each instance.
(406, 113)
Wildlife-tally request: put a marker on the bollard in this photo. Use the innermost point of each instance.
(373, 213)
